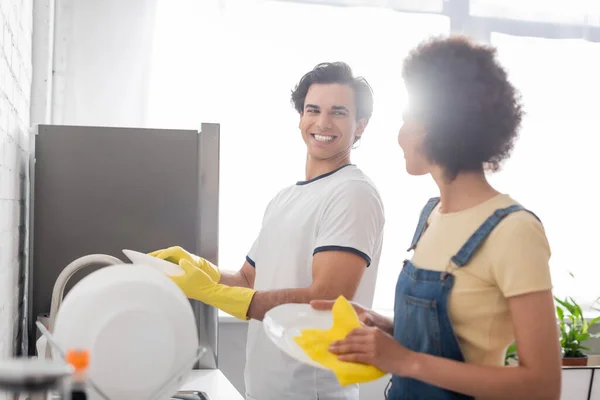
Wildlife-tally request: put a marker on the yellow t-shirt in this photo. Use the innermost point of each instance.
(512, 261)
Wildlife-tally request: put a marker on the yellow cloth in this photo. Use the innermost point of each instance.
(198, 285)
(175, 254)
(315, 343)
(513, 260)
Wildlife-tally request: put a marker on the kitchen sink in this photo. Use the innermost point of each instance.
(189, 395)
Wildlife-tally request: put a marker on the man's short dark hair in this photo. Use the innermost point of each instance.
(461, 94)
(336, 72)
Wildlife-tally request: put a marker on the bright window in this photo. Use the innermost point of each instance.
(554, 167)
(235, 62)
(576, 12)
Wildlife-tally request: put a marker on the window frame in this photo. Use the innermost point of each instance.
(478, 27)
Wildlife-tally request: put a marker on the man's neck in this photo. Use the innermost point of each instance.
(315, 168)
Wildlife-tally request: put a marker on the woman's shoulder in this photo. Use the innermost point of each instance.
(520, 218)
(520, 229)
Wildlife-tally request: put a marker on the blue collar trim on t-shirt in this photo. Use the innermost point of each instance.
(322, 176)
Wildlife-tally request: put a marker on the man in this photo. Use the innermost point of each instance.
(320, 238)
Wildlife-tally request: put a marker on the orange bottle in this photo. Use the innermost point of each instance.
(80, 360)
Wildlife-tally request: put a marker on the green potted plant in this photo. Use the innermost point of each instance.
(511, 357)
(574, 331)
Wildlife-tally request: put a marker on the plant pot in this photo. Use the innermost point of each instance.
(575, 361)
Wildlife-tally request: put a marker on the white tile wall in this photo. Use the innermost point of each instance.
(15, 88)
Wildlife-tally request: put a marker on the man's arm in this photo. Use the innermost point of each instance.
(347, 239)
(242, 278)
(334, 273)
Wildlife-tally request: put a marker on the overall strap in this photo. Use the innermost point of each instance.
(476, 240)
(422, 225)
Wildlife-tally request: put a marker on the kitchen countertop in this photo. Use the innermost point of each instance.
(213, 383)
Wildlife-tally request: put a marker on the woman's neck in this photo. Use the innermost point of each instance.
(467, 190)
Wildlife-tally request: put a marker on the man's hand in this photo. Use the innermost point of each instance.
(176, 253)
(198, 285)
(195, 283)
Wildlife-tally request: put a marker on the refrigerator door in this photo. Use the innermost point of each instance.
(104, 189)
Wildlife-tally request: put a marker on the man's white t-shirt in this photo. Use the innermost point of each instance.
(340, 210)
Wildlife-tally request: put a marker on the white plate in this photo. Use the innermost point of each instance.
(138, 326)
(285, 322)
(166, 267)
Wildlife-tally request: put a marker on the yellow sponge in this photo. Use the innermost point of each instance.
(316, 342)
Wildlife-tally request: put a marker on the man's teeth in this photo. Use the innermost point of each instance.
(321, 138)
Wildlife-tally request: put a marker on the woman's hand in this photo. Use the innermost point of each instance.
(366, 317)
(371, 345)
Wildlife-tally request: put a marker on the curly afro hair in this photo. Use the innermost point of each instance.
(336, 72)
(462, 96)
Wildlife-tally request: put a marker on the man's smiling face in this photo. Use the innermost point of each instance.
(328, 122)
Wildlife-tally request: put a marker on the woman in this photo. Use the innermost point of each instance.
(479, 277)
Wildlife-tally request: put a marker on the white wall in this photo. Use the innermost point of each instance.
(15, 88)
(101, 61)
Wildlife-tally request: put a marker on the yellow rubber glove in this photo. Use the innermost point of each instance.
(315, 343)
(198, 285)
(176, 253)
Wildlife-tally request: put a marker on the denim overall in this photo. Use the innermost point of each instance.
(421, 319)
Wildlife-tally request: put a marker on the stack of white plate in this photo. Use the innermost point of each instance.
(137, 325)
